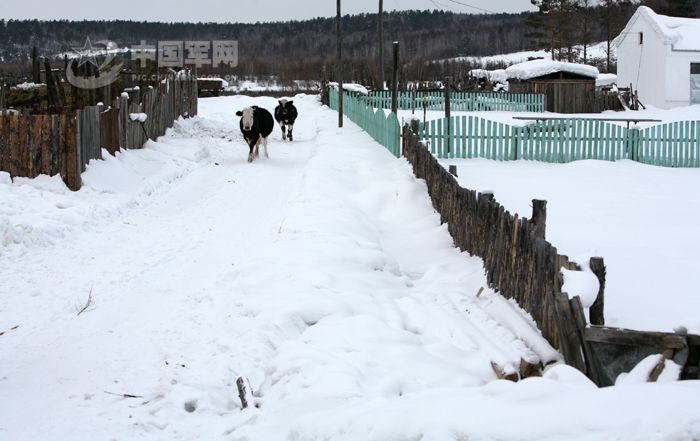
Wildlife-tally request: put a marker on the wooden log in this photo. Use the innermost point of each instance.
(596, 310)
(501, 374)
(528, 369)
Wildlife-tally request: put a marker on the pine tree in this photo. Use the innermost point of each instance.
(681, 8)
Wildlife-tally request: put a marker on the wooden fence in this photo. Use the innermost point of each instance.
(385, 129)
(459, 101)
(33, 144)
(522, 265)
(674, 144)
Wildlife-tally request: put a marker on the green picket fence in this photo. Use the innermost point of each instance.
(459, 101)
(386, 130)
(675, 144)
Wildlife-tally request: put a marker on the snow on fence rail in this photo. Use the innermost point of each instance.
(386, 130)
(522, 265)
(34, 144)
(459, 101)
(674, 144)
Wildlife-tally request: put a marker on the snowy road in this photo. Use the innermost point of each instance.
(322, 275)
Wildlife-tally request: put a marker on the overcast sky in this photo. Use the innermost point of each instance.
(232, 10)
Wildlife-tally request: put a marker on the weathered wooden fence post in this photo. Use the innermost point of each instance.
(339, 67)
(395, 81)
(596, 310)
(415, 126)
(36, 67)
(539, 217)
(448, 113)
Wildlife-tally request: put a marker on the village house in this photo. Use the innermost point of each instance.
(660, 57)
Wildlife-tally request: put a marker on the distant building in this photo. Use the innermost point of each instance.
(568, 87)
(660, 57)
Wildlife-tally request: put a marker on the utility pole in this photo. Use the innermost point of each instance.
(339, 69)
(381, 44)
(395, 81)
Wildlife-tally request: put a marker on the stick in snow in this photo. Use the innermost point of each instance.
(240, 383)
(87, 305)
(123, 395)
(11, 329)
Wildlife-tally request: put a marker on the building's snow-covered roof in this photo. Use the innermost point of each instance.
(223, 82)
(494, 76)
(683, 34)
(351, 87)
(538, 68)
(606, 79)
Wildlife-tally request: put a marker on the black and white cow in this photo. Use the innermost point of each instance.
(256, 125)
(286, 114)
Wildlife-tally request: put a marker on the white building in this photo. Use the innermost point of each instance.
(660, 57)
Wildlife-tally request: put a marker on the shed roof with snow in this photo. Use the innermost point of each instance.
(542, 68)
(682, 34)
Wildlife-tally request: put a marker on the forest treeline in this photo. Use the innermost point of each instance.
(299, 50)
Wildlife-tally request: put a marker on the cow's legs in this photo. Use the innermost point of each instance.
(289, 132)
(257, 148)
(250, 155)
(264, 141)
(284, 135)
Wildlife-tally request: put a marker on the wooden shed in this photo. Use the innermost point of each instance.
(568, 87)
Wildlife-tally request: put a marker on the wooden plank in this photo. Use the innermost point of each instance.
(619, 336)
(72, 151)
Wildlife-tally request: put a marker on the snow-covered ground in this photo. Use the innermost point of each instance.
(689, 113)
(596, 50)
(243, 86)
(322, 275)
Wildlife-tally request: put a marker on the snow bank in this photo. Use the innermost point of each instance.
(270, 85)
(538, 68)
(40, 212)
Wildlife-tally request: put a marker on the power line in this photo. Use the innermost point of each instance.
(472, 6)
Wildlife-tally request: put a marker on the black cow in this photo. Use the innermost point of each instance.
(256, 125)
(286, 114)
